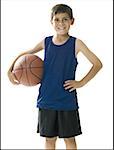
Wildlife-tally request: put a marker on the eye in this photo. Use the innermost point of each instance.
(65, 19)
(56, 19)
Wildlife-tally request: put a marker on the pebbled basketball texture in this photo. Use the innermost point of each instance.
(28, 70)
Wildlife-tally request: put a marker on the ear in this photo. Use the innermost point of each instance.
(72, 21)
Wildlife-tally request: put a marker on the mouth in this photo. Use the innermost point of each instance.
(61, 28)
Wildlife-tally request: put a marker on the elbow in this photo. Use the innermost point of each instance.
(98, 65)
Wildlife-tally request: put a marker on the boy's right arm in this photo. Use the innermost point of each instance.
(37, 48)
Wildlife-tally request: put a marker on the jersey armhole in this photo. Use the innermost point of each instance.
(75, 48)
(75, 53)
(46, 43)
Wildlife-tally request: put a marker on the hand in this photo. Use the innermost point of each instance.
(10, 74)
(72, 85)
(12, 78)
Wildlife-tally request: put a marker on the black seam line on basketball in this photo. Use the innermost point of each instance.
(34, 74)
(33, 60)
(26, 71)
(34, 67)
(28, 68)
(22, 71)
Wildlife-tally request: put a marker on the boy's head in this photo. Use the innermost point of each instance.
(61, 8)
(62, 18)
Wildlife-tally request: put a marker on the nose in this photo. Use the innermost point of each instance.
(61, 21)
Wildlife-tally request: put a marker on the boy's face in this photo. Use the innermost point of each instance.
(61, 23)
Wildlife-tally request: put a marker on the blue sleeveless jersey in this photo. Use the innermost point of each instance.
(59, 65)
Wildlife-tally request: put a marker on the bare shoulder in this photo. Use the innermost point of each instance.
(41, 43)
(80, 46)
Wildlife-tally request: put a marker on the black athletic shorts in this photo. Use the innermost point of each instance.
(63, 124)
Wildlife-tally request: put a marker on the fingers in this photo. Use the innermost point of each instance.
(72, 89)
(68, 87)
(68, 81)
(14, 82)
(12, 79)
(69, 84)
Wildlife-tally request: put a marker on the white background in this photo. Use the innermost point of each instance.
(24, 24)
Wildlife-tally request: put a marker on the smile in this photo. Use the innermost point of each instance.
(61, 28)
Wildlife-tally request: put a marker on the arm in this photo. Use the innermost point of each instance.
(36, 49)
(96, 66)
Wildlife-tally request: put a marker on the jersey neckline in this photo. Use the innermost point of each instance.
(60, 44)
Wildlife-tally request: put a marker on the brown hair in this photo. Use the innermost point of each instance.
(61, 8)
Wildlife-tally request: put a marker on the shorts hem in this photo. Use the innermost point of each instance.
(60, 136)
(50, 136)
(69, 136)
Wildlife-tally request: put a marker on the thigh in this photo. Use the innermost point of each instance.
(47, 125)
(69, 123)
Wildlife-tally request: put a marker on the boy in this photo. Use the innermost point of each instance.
(57, 99)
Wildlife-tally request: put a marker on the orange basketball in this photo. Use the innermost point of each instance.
(28, 70)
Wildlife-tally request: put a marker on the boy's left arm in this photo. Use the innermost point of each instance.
(97, 65)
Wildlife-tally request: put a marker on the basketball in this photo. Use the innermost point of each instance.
(28, 70)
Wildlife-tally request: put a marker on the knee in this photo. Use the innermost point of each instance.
(70, 140)
(51, 140)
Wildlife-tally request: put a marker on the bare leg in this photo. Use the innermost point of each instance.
(50, 143)
(70, 143)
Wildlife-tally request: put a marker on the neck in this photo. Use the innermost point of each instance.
(60, 38)
(65, 36)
